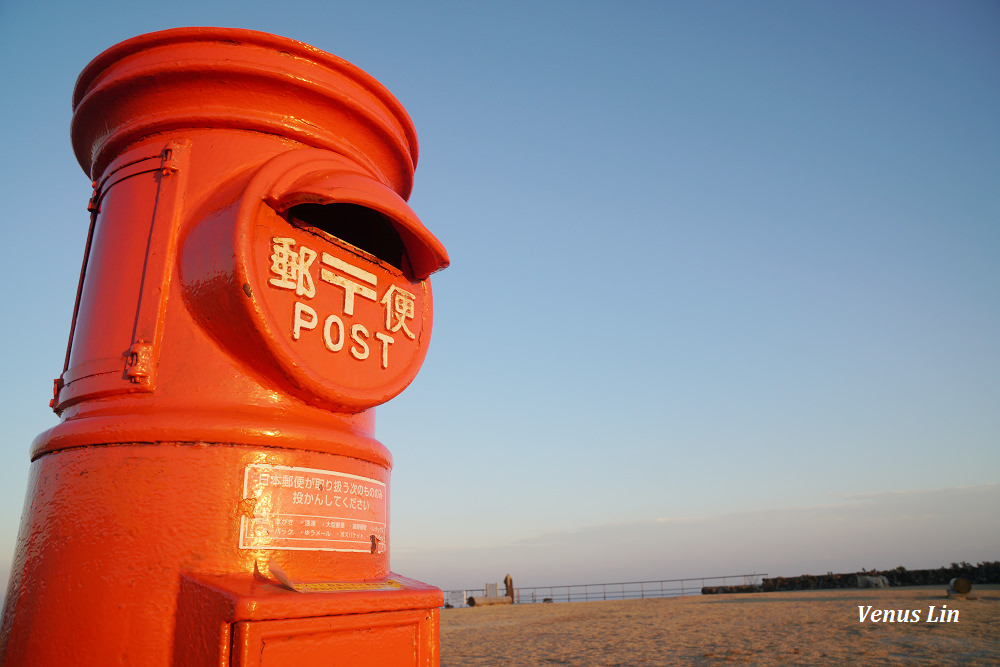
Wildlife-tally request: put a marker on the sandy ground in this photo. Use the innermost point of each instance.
(794, 628)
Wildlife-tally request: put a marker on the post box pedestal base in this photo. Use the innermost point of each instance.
(238, 621)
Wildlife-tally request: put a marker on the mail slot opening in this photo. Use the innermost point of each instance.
(362, 227)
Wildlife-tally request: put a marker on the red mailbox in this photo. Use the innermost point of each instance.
(253, 285)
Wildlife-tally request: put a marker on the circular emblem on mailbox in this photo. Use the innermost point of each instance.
(339, 318)
(332, 267)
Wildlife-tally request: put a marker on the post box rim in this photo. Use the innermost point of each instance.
(154, 69)
(187, 427)
(316, 176)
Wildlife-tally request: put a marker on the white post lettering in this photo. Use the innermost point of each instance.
(386, 342)
(299, 322)
(327, 340)
(359, 335)
(350, 287)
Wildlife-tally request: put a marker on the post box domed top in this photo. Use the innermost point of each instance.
(189, 78)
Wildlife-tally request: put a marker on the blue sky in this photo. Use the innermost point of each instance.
(724, 294)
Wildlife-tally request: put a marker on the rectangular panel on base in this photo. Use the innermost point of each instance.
(240, 621)
(387, 638)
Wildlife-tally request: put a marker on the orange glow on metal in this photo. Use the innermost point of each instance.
(227, 351)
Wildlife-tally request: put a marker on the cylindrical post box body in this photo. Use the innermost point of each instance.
(253, 285)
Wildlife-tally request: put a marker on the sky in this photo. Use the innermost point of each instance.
(724, 294)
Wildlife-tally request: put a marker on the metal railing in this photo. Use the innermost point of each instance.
(625, 590)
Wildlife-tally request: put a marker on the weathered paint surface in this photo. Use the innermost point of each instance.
(214, 493)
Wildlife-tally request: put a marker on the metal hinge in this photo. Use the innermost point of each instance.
(141, 362)
(94, 205)
(57, 385)
(169, 163)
